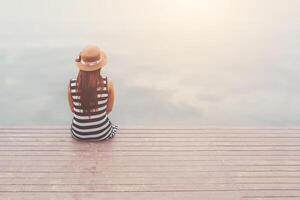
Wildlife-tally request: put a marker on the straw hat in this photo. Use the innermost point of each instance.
(91, 58)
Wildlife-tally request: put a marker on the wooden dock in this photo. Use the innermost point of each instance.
(235, 163)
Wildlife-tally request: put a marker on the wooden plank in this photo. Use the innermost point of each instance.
(123, 188)
(139, 174)
(232, 163)
(122, 162)
(105, 147)
(151, 162)
(192, 158)
(211, 195)
(158, 169)
(119, 143)
(147, 188)
(149, 153)
(153, 139)
(167, 134)
(159, 131)
(148, 180)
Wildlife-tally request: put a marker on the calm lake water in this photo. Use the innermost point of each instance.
(180, 63)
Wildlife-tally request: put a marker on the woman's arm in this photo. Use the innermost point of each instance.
(111, 96)
(70, 98)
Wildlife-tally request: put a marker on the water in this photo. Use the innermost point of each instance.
(174, 63)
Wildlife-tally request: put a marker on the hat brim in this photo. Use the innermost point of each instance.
(93, 67)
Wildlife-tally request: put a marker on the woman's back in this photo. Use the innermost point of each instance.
(91, 98)
(97, 125)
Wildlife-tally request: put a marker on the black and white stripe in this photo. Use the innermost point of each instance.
(94, 127)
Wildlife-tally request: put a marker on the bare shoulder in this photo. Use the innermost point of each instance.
(68, 85)
(110, 84)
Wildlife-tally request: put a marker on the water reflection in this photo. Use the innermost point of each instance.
(189, 64)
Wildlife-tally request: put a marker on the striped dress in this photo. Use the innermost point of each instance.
(98, 126)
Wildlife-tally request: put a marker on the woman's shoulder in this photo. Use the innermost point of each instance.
(108, 79)
(109, 83)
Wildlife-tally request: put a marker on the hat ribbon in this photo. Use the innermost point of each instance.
(90, 63)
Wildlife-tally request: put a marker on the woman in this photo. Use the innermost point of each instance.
(91, 97)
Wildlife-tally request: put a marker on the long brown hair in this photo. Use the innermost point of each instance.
(87, 85)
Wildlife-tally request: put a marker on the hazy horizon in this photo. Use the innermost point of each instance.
(181, 62)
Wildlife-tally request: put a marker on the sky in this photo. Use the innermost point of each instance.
(179, 63)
